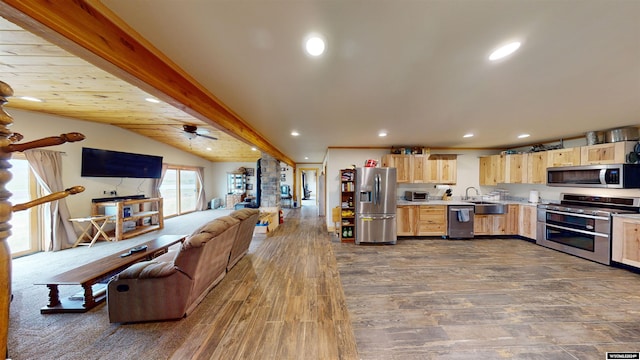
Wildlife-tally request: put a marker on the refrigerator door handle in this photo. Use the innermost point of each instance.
(376, 195)
(384, 217)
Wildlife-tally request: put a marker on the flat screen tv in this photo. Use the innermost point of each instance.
(107, 163)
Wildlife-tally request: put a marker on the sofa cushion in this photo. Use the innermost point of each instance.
(147, 269)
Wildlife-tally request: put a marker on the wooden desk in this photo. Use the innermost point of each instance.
(89, 275)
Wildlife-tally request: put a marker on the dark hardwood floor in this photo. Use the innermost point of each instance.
(299, 294)
(486, 299)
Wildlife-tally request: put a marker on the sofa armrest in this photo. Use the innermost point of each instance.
(148, 299)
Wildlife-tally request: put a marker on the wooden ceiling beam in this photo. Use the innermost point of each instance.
(89, 30)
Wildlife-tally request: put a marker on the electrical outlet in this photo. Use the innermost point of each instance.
(113, 193)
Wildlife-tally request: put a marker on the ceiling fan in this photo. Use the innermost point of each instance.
(191, 132)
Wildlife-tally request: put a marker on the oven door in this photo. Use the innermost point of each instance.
(581, 235)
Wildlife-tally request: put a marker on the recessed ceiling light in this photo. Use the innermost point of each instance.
(306, 158)
(382, 133)
(504, 51)
(295, 133)
(152, 100)
(314, 45)
(522, 136)
(209, 149)
(468, 135)
(30, 98)
(254, 149)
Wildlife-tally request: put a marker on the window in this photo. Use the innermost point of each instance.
(25, 236)
(179, 189)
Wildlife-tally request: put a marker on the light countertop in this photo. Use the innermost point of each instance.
(454, 201)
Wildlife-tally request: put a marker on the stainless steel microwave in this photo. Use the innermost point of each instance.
(614, 176)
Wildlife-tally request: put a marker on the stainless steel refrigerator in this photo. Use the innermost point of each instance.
(376, 205)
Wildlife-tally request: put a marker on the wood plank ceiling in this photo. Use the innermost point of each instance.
(72, 87)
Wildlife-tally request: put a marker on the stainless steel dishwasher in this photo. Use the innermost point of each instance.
(460, 221)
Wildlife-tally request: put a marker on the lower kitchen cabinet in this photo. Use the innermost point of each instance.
(421, 220)
(406, 220)
(432, 220)
(502, 224)
(513, 214)
(626, 241)
(490, 224)
(527, 223)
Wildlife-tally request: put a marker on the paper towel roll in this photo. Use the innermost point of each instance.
(534, 196)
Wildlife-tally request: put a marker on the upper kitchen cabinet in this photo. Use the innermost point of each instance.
(402, 163)
(537, 171)
(441, 169)
(492, 169)
(419, 172)
(610, 153)
(517, 166)
(424, 168)
(563, 157)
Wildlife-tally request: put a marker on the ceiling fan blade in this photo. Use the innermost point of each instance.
(207, 136)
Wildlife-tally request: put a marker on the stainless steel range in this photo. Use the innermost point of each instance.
(581, 224)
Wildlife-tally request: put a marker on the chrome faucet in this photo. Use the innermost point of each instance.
(466, 192)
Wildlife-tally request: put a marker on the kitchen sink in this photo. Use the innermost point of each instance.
(489, 208)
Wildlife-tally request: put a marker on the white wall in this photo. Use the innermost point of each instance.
(34, 126)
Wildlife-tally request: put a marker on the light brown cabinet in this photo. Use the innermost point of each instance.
(492, 169)
(563, 157)
(528, 168)
(490, 224)
(626, 241)
(611, 153)
(513, 214)
(433, 169)
(421, 220)
(517, 166)
(502, 224)
(537, 172)
(402, 163)
(432, 220)
(418, 169)
(406, 220)
(527, 223)
(441, 169)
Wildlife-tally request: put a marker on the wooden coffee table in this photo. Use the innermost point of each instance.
(89, 276)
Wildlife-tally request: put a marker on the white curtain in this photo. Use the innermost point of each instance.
(155, 183)
(202, 199)
(155, 191)
(47, 165)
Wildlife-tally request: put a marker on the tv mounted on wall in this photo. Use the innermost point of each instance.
(107, 163)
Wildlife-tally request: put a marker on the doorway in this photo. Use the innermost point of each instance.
(308, 187)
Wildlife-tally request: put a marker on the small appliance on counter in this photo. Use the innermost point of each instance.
(534, 196)
(416, 195)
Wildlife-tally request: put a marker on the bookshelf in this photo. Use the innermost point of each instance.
(347, 205)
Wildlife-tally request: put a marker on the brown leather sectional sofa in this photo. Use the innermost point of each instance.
(172, 285)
